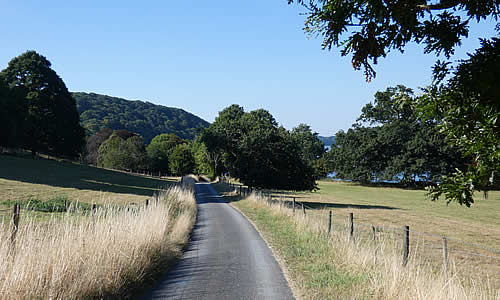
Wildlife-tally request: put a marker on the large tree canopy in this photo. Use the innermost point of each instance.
(370, 29)
(396, 144)
(160, 149)
(52, 123)
(257, 151)
(182, 161)
(123, 150)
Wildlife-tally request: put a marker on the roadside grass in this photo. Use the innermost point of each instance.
(309, 258)
(64, 249)
(330, 266)
(108, 254)
(42, 180)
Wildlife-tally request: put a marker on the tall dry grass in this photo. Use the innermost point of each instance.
(104, 254)
(381, 262)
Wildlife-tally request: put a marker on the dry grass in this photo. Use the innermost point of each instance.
(334, 267)
(102, 255)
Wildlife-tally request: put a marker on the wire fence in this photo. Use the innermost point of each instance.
(441, 252)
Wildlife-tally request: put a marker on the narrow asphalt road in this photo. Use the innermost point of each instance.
(226, 258)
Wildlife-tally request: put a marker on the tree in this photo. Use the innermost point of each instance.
(357, 155)
(203, 162)
(469, 106)
(52, 121)
(257, 151)
(311, 148)
(182, 160)
(221, 138)
(398, 145)
(12, 115)
(94, 142)
(160, 148)
(126, 153)
(373, 28)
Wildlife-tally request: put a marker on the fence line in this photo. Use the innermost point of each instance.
(369, 231)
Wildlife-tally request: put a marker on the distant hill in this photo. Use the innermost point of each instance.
(327, 140)
(147, 119)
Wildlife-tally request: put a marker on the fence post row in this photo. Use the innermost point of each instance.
(244, 191)
(406, 244)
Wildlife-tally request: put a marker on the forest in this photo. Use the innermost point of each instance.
(145, 118)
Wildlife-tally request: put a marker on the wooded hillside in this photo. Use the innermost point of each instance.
(147, 119)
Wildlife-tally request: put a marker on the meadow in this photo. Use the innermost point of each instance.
(479, 223)
(23, 180)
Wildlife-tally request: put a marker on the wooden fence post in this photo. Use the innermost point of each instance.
(15, 223)
(330, 222)
(294, 205)
(445, 255)
(147, 203)
(374, 236)
(406, 244)
(303, 209)
(351, 226)
(94, 208)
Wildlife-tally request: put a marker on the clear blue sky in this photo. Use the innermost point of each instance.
(205, 55)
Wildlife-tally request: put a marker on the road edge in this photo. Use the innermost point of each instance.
(281, 262)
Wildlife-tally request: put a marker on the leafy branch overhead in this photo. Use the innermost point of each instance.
(370, 29)
(469, 106)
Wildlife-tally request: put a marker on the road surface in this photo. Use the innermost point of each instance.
(226, 258)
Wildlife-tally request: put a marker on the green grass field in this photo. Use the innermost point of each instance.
(398, 207)
(24, 178)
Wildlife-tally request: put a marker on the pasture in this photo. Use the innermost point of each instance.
(399, 207)
(23, 179)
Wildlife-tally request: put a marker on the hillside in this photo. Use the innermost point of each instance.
(148, 119)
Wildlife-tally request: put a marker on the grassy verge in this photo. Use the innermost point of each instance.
(107, 254)
(309, 258)
(331, 266)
